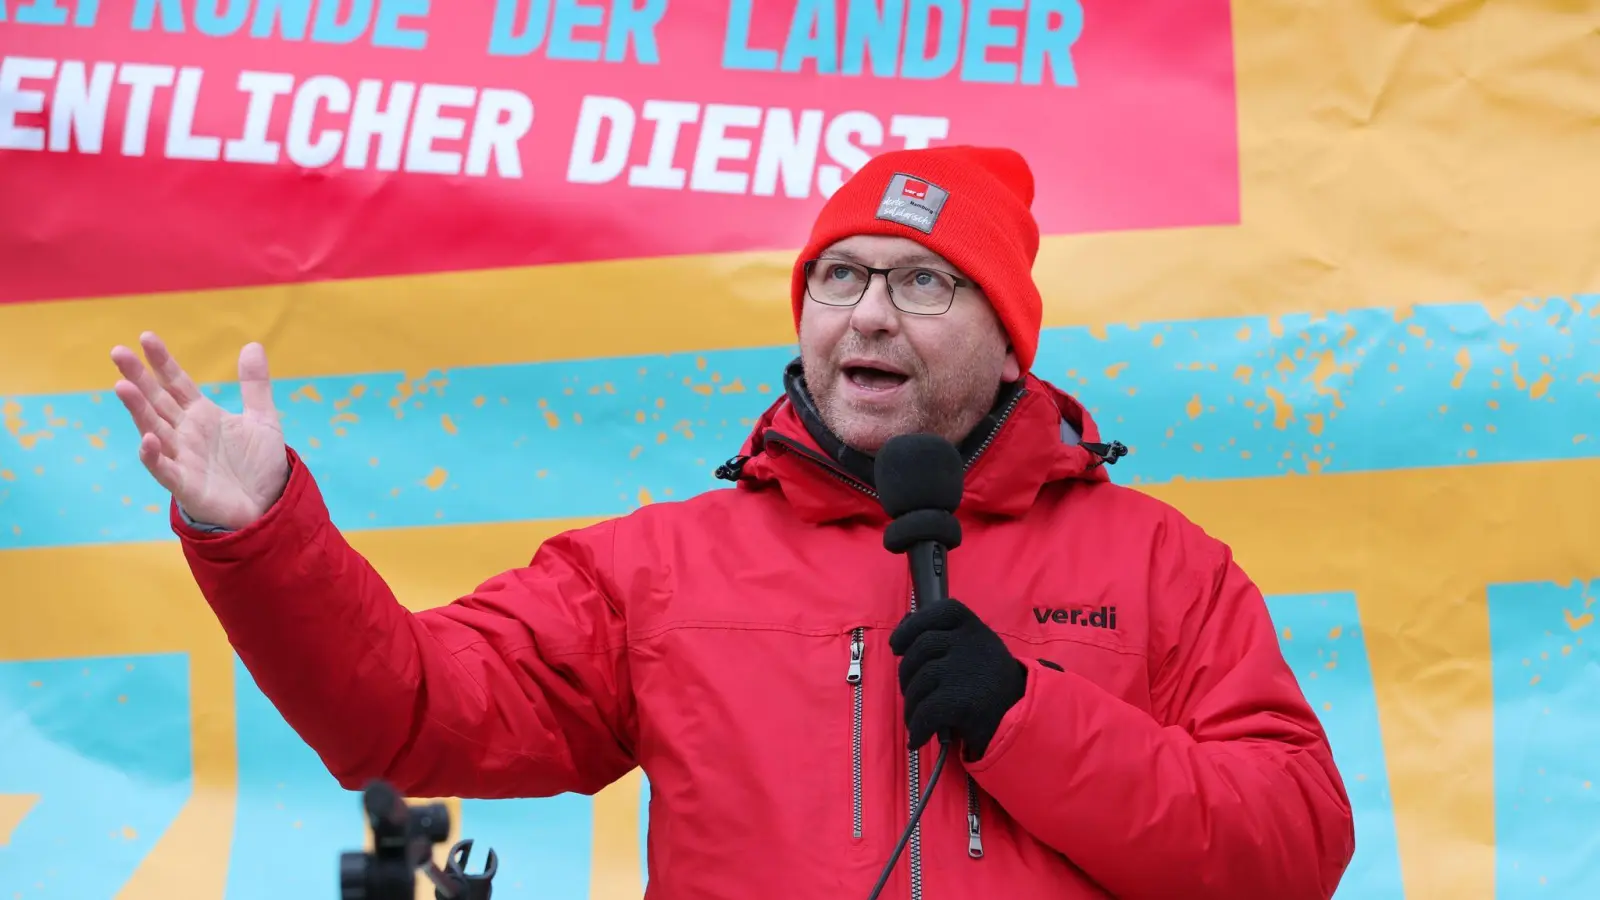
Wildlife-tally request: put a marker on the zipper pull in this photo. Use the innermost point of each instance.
(974, 837)
(858, 647)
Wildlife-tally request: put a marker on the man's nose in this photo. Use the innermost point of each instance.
(876, 312)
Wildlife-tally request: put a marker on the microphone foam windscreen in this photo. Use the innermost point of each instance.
(918, 471)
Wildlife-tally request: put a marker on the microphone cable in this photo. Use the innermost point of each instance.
(916, 816)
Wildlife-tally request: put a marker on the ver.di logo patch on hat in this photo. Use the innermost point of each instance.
(913, 202)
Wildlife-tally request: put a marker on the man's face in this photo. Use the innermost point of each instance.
(876, 371)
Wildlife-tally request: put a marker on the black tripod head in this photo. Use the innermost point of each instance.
(403, 837)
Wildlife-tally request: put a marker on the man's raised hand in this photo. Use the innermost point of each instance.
(223, 468)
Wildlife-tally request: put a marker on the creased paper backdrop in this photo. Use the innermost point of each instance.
(1327, 268)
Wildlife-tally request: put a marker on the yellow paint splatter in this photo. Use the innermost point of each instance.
(1098, 332)
(1464, 364)
(577, 418)
(1335, 632)
(1417, 330)
(1516, 377)
(644, 496)
(1348, 336)
(634, 453)
(314, 442)
(700, 363)
(435, 479)
(1326, 368)
(703, 390)
(735, 386)
(1534, 680)
(551, 419)
(128, 833)
(1402, 313)
(1285, 366)
(1579, 438)
(1243, 374)
(7, 475)
(1578, 623)
(1540, 387)
(448, 424)
(1115, 369)
(1282, 412)
(1195, 407)
(1157, 340)
(661, 437)
(1243, 333)
(307, 392)
(1275, 326)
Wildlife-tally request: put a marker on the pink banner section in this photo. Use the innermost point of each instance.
(150, 145)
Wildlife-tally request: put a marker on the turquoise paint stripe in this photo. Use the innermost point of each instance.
(1546, 773)
(293, 820)
(1323, 642)
(104, 745)
(1208, 399)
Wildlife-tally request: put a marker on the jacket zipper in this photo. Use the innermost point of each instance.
(858, 646)
(974, 824)
(914, 768)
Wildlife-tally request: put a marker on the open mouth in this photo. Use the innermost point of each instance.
(873, 378)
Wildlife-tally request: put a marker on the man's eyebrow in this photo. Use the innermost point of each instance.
(913, 259)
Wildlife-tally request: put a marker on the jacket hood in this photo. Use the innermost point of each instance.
(1036, 434)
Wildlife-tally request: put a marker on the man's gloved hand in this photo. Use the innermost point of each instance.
(955, 673)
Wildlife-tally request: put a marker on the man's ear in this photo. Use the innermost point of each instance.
(1012, 369)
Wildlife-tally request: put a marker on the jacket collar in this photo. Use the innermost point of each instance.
(1036, 434)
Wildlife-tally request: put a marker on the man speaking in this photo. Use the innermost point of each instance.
(1120, 721)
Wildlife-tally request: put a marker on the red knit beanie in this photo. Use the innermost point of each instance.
(968, 204)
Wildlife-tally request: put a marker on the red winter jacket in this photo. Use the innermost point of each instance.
(735, 646)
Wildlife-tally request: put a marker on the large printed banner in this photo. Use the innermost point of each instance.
(275, 140)
(1327, 270)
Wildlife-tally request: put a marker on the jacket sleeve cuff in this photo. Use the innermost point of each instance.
(220, 543)
(1016, 718)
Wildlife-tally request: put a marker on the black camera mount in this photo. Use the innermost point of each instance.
(403, 837)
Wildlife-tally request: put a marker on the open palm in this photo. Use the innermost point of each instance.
(223, 468)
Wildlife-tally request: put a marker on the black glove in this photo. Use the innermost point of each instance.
(955, 673)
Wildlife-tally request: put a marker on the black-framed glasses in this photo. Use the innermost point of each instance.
(918, 290)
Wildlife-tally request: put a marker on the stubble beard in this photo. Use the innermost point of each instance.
(949, 404)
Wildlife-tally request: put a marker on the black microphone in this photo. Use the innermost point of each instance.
(919, 480)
